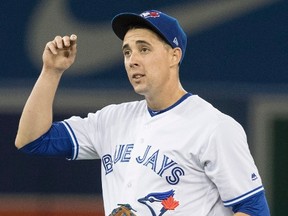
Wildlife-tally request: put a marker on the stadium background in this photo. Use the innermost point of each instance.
(236, 59)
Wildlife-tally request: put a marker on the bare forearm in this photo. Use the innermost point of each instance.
(37, 114)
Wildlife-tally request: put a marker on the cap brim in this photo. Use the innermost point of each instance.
(122, 22)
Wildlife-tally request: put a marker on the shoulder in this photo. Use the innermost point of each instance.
(200, 107)
(112, 112)
(119, 112)
(207, 115)
(127, 107)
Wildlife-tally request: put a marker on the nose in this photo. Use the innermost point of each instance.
(133, 60)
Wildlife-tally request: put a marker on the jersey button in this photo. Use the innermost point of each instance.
(129, 184)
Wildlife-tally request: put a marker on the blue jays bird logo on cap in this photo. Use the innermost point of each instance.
(152, 14)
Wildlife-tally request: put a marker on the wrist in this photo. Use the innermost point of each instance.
(51, 72)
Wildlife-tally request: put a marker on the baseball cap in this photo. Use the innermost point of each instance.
(164, 25)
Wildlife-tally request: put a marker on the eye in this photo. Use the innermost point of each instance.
(145, 49)
(126, 52)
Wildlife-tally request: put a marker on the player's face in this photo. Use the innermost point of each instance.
(147, 60)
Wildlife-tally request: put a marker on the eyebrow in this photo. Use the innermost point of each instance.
(125, 46)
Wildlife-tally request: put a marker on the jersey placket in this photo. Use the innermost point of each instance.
(134, 178)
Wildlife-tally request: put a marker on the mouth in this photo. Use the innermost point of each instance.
(137, 76)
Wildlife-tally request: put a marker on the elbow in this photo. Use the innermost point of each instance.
(19, 142)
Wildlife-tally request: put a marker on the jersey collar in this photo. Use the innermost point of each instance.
(154, 112)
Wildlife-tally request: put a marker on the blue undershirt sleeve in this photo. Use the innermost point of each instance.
(55, 142)
(255, 205)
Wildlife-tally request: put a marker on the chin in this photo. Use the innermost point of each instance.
(140, 91)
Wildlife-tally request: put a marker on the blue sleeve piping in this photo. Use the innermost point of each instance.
(73, 140)
(243, 196)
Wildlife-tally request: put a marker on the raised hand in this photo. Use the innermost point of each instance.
(60, 53)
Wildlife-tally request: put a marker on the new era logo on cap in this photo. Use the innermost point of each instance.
(175, 41)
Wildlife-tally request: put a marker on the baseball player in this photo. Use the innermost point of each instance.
(171, 153)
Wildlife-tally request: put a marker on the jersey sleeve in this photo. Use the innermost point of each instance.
(55, 142)
(254, 205)
(84, 133)
(73, 138)
(228, 163)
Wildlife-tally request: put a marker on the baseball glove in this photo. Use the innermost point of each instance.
(123, 210)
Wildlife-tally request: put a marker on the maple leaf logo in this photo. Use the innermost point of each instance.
(154, 14)
(170, 203)
(153, 200)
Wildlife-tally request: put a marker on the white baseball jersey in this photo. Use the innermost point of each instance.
(190, 159)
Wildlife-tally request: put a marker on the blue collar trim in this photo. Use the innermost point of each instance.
(154, 113)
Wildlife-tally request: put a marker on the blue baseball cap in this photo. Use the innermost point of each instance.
(165, 26)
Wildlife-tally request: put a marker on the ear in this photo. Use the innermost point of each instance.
(176, 56)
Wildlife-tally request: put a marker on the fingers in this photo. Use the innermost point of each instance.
(73, 39)
(61, 43)
(52, 47)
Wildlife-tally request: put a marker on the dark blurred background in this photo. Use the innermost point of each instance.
(236, 59)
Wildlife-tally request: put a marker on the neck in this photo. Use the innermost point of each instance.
(165, 99)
